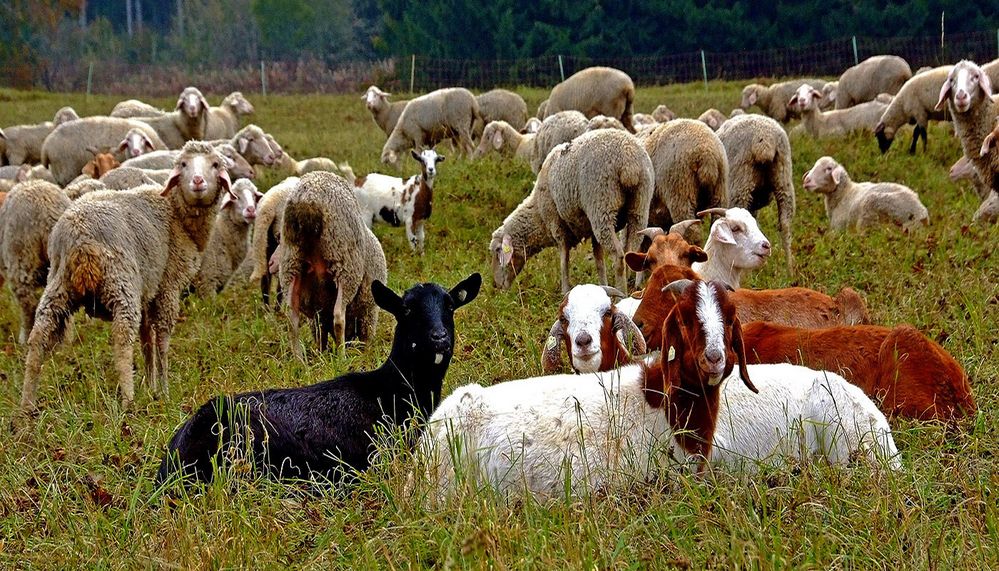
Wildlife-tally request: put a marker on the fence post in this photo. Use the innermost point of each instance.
(997, 42)
(704, 69)
(90, 79)
(561, 71)
(263, 80)
(412, 72)
(856, 60)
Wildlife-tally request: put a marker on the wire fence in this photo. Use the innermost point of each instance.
(421, 73)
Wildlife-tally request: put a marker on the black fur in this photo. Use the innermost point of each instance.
(326, 429)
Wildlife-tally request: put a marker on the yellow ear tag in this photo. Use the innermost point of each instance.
(551, 343)
(507, 248)
(672, 353)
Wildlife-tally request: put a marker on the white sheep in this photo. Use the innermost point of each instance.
(859, 204)
(914, 103)
(385, 113)
(713, 118)
(227, 247)
(65, 151)
(735, 246)
(267, 233)
(557, 128)
(137, 143)
(431, 118)
(869, 78)
(817, 123)
(595, 91)
(773, 99)
(223, 121)
(500, 136)
(23, 143)
(501, 105)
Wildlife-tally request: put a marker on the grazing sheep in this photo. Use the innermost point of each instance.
(713, 118)
(773, 99)
(65, 150)
(503, 138)
(859, 204)
(589, 188)
(431, 118)
(663, 114)
(501, 105)
(691, 171)
(759, 170)
(292, 167)
(595, 91)
(328, 430)
(329, 259)
(23, 143)
(557, 128)
(735, 245)
(26, 220)
(125, 257)
(861, 117)
(223, 121)
(267, 233)
(385, 113)
(227, 247)
(914, 103)
(864, 81)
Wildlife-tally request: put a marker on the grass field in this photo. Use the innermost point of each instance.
(76, 489)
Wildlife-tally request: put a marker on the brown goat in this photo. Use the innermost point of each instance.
(102, 162)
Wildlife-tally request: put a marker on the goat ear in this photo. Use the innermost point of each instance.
(837, 173)
(172, 181)
(944, 92)
(551, 355)
(628, 335)
(387, 299)
(90, 169)
(416, 156)
(740, 351)
(722, 232)
(695, 254)
(466, 290)
(636, 260)
(441, 158)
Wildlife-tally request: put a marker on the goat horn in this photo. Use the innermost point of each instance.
(681, 228)
(613, 292)
(651, 232)
(716, 211)
(677, 287)
(622, 325)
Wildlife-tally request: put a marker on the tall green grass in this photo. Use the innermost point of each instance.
(76, 488)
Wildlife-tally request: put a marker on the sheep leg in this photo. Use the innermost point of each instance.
(563, 246)
(147, 342)
(166, 311)
(49, 329)
(785, 213)
(598, 259)
(365, 312)
(294, 317)
(124, 330)
(27, 299)
(265, 289)
(339, 319)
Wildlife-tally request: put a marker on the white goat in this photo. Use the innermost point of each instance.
(734, 246)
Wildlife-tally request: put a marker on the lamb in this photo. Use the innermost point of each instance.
(595, 91)
(565, 434)
(857, 205)
(914, 103)
(228, 243)
(267, 233)
(328, 430)
(23, 143)
(26, 220)
(223, 121)
(899, 368)
(385, 113)
(501, 105)
(773, 99)
(503, 138)
(65, 150)
(713, 118)
(864, 81)
(136, 143)
(817, 123)
(329, 259)
(399, 202)
(125, 257)
(591, 187)
(760, 170)
(691, 170)
(556, 129)
(595, 335)
(429, 119)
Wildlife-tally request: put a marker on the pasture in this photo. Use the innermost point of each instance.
(77, 490)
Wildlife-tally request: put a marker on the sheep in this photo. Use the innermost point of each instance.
(760, 170)
(126, 257)
(26, 220)
(860, 204)
(14, 174)
(542, 110)
(588, 188)
(595, 335)
(531, 126)
(223, 121)
(691, 170)
(735, 245)
(65, 150)
(177, 127)
(228, 244)
(557, 128)
(399, 202)
(595, 91)
(640, 120)
(328, 430)
(291, 167)
(133, 108)
(502, 137)
(713, 118)
(899, 368)
(914, 103)
(861, 117)
(864, 81)
(23, 143)
(773, 99)
(385, 113)
(429, 119)
(267, 233)
(828, 95)
(239, 167)
(967, 92)
(564, 434)
(329, 259)
(136, 143)
(83, 185)
(663, 114)
(254, 144)
(501, 105)
(125, 178)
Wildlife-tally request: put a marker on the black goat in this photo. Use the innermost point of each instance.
(327, 429)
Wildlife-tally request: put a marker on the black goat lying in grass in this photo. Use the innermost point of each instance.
(327, 429)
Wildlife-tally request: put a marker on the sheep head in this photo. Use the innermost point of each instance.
(135, 143)
(202, 174)
(966, 85)
(824, 176)
(507, 259)
(192, 103)
(242, 201)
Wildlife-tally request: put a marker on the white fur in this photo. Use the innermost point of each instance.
(135, 143)
(585, 309)
(245, 201)
(709, 314)
(736, 244)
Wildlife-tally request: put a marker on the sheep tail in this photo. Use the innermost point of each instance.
(303, 225)
(85, 271)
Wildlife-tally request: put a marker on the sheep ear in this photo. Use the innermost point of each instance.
(497, 139)
(793, 101)
(227, 200)
(243, 144)
(944, 92)
(987, 144)
(986, 83)
(441, 158)
(147, 143)
(226, 183)
(551, 356)
(623, 328)
(180, 103)
(740, 351)
(752, 98)
(123, 145)
(387, 299)
(173, 181)
(257, 195)
(722, 232)
(636, 260)
(506, 250)
(837, 173)
(204, 102)
(466, 290)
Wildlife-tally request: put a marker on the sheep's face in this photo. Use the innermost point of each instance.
(238, 103)
(252, 144)
(242, 201)
(740, 234)
(375, 98)
(492, 138)
(824, 176)
(192, 103)
(201, 176)
(238, 166)
(805, 98)
(963, 169)
(507, 260)
(750, 94)
(135, 144)
(965, 86)
(275, 147)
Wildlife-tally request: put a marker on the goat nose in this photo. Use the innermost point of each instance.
(713, 356)
(584, 339)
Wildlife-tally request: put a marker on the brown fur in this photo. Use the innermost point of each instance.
(100, 164)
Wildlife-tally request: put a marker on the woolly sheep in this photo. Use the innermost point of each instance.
(773, 99)
(760, 170)
(501, 105)
(223, 121)
(591, 187)
(329, 258)
(78, 188)
(26, 220)
(503, 138)
(385, 113)
(23, 143)
(228, 244)
(429, 119)
(542, 110)
(864, 81)
(640, 120)
(663, 114)
(126, 257)
(239, 167)
(861, 117)
(125, 178)
(254, 145)
(963, 169)
(603, 122)
(595, 91)
(556, 129)
(713, 118)
(133, 108)
(859, 204)
(65, 150)
(137, 143)
(179, 126)
(267, 232)
(914, 103)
